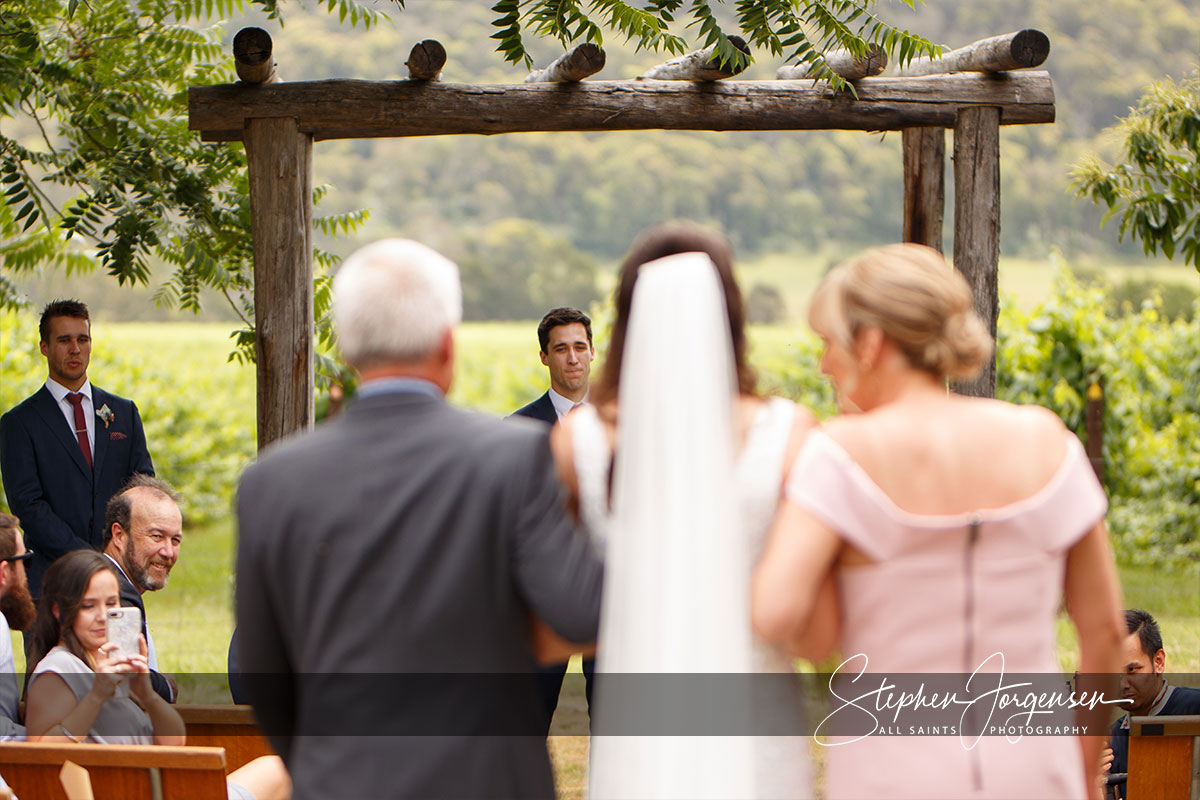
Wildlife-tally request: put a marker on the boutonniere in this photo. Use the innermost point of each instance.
(105, 413)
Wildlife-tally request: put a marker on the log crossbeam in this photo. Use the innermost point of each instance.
(347, 109)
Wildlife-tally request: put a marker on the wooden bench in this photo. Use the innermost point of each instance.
(118, 772)
(1163, 760)
(228, 726)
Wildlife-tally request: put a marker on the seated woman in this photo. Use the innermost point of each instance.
(77, 691)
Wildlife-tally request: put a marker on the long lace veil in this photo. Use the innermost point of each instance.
(676, 594)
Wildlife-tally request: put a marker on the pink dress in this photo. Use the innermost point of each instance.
(945, 592)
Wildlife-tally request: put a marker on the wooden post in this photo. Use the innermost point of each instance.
(977, 223)
(924, 185)
(279, 157)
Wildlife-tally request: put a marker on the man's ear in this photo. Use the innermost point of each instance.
(1160, 661)
(6, 574)
(545, 358)
(118, 542)
(45, 348)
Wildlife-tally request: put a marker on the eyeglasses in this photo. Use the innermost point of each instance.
(28, 554)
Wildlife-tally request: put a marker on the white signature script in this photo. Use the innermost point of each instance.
(1014, 710)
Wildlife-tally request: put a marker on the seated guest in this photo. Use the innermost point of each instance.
(1145, 685)
(78, 690)
(143, 532)
(18, 611)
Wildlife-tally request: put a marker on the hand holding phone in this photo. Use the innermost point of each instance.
(123, 626)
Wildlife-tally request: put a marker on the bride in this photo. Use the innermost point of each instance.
(680, 494)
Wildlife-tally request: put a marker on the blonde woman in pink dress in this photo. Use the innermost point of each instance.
(955, 527)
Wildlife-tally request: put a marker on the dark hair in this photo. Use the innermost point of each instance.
(562, 316)
(660, 241)
(120, 505)
(60, 308)
(1140, 622)
(8, 535)
(63, 585)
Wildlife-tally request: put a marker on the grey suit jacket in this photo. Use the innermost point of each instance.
(387, 564)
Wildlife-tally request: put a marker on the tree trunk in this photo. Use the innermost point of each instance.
(924, 185)
(279, 157)
(977, 224)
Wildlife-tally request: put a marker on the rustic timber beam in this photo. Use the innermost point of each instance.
(348, 109)
(700, 65)
(1018, 50)
(425, 60)
(252, 49)
(924, 185)
(843, 63)
(977, 225)
(580, 62)
(279, 158)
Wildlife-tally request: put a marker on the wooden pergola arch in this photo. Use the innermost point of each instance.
(278, 123)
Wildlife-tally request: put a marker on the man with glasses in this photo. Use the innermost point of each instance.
(143, 533)
(18, 613)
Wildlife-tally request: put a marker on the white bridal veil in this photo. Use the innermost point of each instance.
(676, 594)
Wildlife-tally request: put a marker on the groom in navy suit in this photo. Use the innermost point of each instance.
(65, 450)
(565, 339)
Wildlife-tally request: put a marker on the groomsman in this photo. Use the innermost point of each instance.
(565, 340)
(69, 447)
(389, 561)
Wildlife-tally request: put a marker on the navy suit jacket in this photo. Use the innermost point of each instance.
(131, 597)
(542, 408)
(59, 499)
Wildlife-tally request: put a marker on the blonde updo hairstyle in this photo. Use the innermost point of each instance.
(919, 302)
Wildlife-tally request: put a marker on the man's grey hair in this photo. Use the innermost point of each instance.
(393, 300)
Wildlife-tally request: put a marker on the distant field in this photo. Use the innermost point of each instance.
(1025, 281)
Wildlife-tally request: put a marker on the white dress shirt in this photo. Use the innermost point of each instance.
(60, 393)
(562, 405)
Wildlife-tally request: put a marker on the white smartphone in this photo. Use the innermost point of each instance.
(123, 626)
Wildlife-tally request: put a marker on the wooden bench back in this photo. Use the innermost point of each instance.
(119, 772)
(1163, 764)
(231, 727)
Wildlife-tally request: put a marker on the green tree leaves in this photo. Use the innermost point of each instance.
(1156, 189)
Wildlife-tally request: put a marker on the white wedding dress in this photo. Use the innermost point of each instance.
(687, 521)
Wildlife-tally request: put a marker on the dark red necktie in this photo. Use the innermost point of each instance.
(76, 401)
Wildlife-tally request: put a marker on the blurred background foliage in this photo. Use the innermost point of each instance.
(1050, 354)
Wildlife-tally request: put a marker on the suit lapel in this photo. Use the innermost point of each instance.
(100, 399)
(56, 424)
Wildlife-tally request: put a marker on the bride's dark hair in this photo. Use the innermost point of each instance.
(660, 241)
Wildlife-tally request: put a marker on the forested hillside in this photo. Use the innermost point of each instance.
(771, 192)
(534, 219)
